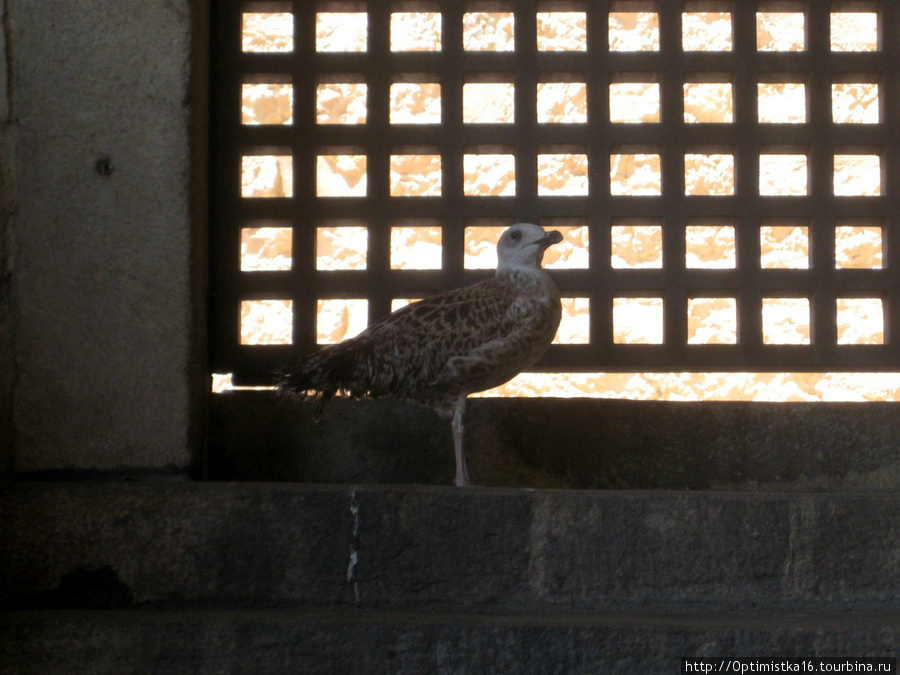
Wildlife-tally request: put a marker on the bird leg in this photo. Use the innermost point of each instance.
(462, 475)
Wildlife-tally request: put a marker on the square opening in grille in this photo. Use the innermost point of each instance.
(723, 177)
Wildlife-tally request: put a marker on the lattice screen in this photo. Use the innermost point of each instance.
(725, 174)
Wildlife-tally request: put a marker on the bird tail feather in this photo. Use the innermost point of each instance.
(323, 374)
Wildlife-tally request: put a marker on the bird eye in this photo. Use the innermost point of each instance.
(515, 236)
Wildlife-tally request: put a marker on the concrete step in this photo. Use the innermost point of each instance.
(203, 545)
(379, 641)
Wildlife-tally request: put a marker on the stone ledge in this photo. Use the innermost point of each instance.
(386, 642)
(563, 443)
(260, 545)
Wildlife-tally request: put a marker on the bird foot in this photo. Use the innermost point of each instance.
(463, 481)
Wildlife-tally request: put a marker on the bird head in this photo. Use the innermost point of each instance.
(523, 245)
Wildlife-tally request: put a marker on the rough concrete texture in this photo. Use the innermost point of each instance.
(381, 642)
(102, 233)
(7, 209)
(5, 57)
(563, 443)
(120, 545)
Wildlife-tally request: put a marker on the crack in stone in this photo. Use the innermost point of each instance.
(353, 559)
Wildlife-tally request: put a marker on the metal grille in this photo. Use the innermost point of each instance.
(787, 155)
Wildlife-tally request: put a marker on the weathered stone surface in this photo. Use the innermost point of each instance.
(564, 443)
(175, 544)
(442, 547)
(246, 545)
(102, 233)
(278, 578)
(384, 642)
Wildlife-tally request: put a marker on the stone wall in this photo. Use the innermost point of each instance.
(7, 206)
(102, 219)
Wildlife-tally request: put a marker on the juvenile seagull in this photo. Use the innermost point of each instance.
(439, 350)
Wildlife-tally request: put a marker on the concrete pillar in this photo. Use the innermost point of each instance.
(103, 220)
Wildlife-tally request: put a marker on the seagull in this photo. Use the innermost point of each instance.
(439, 350)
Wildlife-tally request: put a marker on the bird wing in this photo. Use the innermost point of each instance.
(467, 340)
(409, 351)
(406, 351)
(513, 343)
(432, 350)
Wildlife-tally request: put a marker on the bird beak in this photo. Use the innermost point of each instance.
(552, 237)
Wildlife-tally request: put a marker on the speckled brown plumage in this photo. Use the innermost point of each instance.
(439, 350)
(466, 340)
